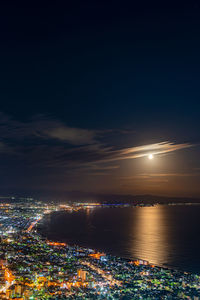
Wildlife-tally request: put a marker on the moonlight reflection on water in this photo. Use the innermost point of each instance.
(160, 234)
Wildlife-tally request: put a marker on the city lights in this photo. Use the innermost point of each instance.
(32, 267)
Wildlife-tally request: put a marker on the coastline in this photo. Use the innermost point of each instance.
(41, 267)
(109, 253)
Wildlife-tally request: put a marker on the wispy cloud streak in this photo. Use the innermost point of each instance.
(51, 143)
(144, 150)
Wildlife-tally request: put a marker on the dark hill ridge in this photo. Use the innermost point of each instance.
(81, 197)
(133, 199)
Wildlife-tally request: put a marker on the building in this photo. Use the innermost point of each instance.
(82, 274)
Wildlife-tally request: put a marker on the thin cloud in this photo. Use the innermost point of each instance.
(74, 136)
(157, 148)
(51, 143)
(44, 128)
(174, 174)
(142, 151)
(154, 175)
(105, 167)
(93, 154)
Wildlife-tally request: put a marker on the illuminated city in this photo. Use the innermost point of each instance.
(33, 267)
(100, 150)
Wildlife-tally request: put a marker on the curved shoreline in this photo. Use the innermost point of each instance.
(128, 258)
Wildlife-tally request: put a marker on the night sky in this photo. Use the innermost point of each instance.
(89, 88)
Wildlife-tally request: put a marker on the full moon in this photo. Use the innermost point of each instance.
(150, 156)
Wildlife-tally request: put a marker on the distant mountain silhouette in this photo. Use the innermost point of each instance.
(79, 196)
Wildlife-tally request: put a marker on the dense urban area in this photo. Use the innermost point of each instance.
(32, 267)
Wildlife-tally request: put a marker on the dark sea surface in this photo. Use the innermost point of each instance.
(163, 235)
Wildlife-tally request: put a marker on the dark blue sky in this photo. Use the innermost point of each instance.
(80, 81)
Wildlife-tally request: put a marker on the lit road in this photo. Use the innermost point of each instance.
(109, 278)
